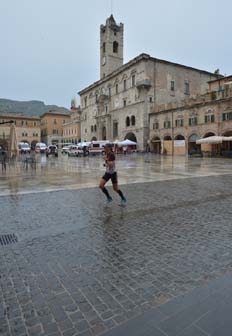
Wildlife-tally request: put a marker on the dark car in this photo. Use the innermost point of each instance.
(52, 150)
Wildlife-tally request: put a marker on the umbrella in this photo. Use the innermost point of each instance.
(127, 142)
(215, 139)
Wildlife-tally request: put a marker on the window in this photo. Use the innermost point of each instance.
(109, 91)
(106, 109)
(85, 100)
(95, 128)
(209, 118)
(172, 85)
(124, 102)
(92, 129)
(186, 88)
(192, 121)
(226, 116)
(35, 123)
(150, 99)
(167, 124)
(55, 122)
(115, 129)
(133, 81)
(156, 125)
(179, 122)
(104, 47)
(116, 88)
(133, 120)
(115, 47)
(124, 85)
(55, 131)
(127, 121)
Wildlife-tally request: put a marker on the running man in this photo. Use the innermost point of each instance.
(110, 174)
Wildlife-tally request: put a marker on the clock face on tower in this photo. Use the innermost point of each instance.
(103, 60)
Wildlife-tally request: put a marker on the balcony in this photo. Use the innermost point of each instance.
(143, 84)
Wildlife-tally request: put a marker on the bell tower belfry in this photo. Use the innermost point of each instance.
(111, 46)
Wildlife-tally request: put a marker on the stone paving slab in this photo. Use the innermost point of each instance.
(83, 268)
(188, 314)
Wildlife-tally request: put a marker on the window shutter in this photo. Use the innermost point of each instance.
(195, 120)
(230, 116)
(212, 118)
(190, 122)
(223, 116)
(206, 119)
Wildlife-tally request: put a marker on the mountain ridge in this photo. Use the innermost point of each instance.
(29, 108)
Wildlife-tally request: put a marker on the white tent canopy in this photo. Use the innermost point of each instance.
(215, 139)
(127, 142)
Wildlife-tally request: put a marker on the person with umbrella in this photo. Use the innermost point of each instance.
(110, 174)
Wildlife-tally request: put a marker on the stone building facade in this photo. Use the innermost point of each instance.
(72, 129)
(27, 128)
(175, 127)
(52, 127)
(118, 106)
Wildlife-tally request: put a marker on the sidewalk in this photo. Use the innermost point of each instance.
(204, 311)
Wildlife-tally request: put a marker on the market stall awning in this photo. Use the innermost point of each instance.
(215, 139)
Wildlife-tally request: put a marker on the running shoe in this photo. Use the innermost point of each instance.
(123, 200)
(109, 200)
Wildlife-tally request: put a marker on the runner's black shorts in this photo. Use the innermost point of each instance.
(113, 177)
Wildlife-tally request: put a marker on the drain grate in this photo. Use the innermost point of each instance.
(8, 239)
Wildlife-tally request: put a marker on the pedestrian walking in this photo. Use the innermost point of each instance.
(110, 174)
(3, 158)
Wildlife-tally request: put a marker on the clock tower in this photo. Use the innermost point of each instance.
(111, 44)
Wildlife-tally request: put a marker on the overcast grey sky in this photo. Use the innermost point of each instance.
(50, 48)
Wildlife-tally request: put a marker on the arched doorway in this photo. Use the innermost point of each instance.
(226, 147)
(167, 138)
(209, 134)
(156, 145)
(179, 137)
(179, 145)
(167, 145)
(130, 136)
(192, 146)
(103, 133)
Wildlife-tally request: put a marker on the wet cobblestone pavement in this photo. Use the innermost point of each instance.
(81, 267)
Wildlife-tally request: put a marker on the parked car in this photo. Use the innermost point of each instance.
(77, 151)
(52, 150)
(65, 149)
(24, 148)
(40, 147)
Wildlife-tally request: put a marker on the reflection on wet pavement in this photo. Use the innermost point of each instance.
(74, 173)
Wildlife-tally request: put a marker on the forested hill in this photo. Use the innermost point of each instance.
(29, 108)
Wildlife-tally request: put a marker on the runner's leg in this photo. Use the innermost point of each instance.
(114, 180)
(103, 188)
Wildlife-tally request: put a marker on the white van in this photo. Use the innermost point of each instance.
(98, 147)
(40, 147)
(24, 148)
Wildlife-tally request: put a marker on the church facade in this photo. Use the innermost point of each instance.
(119, 104)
